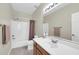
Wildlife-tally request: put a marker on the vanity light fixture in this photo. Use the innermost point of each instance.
(51, 6)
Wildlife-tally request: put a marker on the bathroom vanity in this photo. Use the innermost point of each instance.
(44, 46)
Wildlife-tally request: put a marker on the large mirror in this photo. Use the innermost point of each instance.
(64, 22)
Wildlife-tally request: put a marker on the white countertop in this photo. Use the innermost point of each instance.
(56, 49)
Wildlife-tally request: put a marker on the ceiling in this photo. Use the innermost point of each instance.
(28, 8)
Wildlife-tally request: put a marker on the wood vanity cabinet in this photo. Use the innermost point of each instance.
(37, 50)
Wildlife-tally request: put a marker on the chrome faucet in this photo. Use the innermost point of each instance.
(54, 41)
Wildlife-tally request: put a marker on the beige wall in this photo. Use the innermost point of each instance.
(5, 13)
(5, 17)
(62, 18)
(38, 17)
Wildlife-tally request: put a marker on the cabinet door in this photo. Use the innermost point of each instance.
(37, 50)
(41, 50)
(39, 53)
(34, 49)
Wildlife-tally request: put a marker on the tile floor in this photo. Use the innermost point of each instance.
(21, 51)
